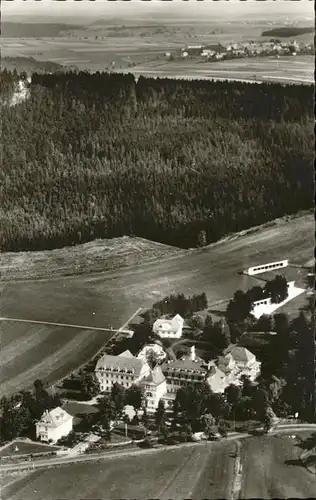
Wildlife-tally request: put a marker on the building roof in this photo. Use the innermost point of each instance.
(185, 364)
(168, 324)
(126, 354)
(240, 354)
(55, 417)
(121, 363)
(156, 376)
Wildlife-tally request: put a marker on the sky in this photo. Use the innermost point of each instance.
(71, 11)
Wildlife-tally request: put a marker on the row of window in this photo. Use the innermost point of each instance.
(269, 266)
(266, 301)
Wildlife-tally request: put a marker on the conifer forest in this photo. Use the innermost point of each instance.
(89, 156)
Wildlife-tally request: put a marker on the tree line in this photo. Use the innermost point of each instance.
(184, 163)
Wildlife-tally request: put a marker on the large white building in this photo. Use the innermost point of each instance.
(238, 361)
(53, 425)
(155, 386)
(169, 328)
(124, 369)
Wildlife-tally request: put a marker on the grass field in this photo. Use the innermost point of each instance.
(287, 69)
(25, 447)
(108, 299)
(269, 471)
(167, 474)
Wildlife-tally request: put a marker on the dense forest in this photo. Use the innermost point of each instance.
(181, 162)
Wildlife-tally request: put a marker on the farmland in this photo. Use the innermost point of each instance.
(270, 470)
(140, 46)
(108, 299)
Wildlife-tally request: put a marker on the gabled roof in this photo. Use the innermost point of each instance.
(120, 363)
(126, 354)
(185, 364)
(156, 376)
(55, 417)
(240, 354)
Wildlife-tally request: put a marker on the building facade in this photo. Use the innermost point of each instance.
(155, 386)
(54, 424)
(124, 369)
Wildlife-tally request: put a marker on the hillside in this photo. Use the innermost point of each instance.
(29, 65)
(33, 30)
(102, 156)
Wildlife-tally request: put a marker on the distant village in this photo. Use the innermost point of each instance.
(222, 51)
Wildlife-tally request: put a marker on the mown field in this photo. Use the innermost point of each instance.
(270, 470)
(108, 299)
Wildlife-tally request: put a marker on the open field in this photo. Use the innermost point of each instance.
(286, 69)
(108, 299)
(269, 470)
(167, 474)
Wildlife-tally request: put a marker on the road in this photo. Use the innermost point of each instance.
(108, 455)
(192, 470)
(64, 325)
(31, 351)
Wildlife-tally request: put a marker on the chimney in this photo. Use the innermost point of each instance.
(192, 353)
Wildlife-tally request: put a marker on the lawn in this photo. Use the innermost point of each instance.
(26, 447)
(108, 299)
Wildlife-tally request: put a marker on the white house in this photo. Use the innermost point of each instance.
(169, 328)
(238, 361)
(155, 386)
(158, 351)
(54, 424)
(216, 378)
(124, 369)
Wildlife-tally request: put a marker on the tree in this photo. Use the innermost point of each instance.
(277, 289)
(268, 419)
(207, 422)
(208, 328)
(90, 385)
(152, 358)
(233, 395)
(264, 323)
(118, 396)
(160, 413)
(163, 432)
(202, 241)
(221, 334)
(186, 431)
(107, 411)
(135, 397)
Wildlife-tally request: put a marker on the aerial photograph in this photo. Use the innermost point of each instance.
(157, 236)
